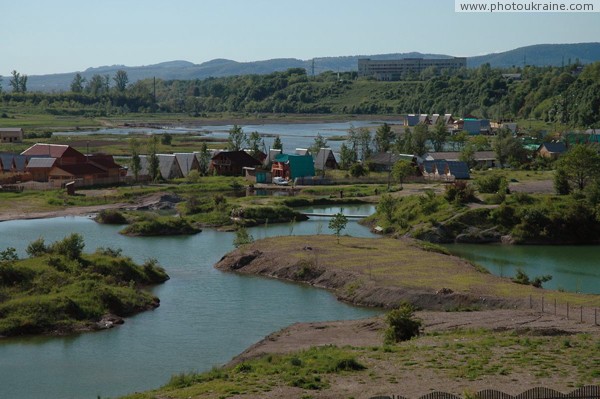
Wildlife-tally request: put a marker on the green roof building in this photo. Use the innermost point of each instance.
(292, 166)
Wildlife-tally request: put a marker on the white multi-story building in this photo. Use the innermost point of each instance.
(398, 69)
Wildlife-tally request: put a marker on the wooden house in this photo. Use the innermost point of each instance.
(11, 135)
(64, 154)
(232, 163)
(63, 162)
(384, 161)
(325, 159)
(552, 150)
(187, 162)
(40, 168)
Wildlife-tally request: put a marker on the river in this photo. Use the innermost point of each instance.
(206, 316)
(293, 135)
(573, 268)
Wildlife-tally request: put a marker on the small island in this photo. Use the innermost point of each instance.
(60, 290)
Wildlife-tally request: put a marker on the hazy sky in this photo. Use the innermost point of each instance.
(44, 36)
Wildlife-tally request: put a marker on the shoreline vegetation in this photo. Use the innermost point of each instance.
(59, 289)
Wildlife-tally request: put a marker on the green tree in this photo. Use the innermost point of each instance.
(347, 156)
(237, 138)
(338, 224)
(254, 143)
(387, 207)
(481, 143)
(507, 148)
(401, 170)
(459, 140)
(402, 325)
(242, 237)
(580, 165)
(468, 155)
(319, 142)
(77, 83)
(404, 143)
(166, 139)
(354, 141)
(153, 160)
(439, 135)
(277, 145)
(419, 139)
(121, 79)
(204, 159)
(364, 139)
(136, 162)
(18, 82)
(95, 85)
(384, 138)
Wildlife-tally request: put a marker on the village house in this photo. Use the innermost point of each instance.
(384, 161)
(232, 163)
(445, 170)
(291, 166)
(325, 159)
(483, 159)
(187, 162)
(552, 150)
(56, 162)
(11, 135)
(13, 163)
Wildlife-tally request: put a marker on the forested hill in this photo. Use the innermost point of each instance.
(567, 95)
(537, 55)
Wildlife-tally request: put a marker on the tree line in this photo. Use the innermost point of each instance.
(567, 95)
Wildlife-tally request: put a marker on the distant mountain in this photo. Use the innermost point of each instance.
(541, 55)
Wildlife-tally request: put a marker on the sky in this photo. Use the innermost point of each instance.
(42, 37)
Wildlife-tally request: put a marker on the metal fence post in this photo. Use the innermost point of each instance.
(542, 304)
(567, 310)
(554, 306)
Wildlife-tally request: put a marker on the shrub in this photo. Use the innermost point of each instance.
(71, 246)
(460, 191)
(37, 248)
(522, 278)
(350, 364)
(491, 184)
(111, 216)
(402, 325)
(358, 170)
(242, 237)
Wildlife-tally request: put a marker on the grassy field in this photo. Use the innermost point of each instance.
(463, 355)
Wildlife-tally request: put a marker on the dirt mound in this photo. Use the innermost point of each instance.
(158, 201)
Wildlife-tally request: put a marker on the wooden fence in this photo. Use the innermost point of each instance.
(580, 313)
(586, 392)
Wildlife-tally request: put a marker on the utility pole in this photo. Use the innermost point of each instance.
(154, 84)
(313, 68)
